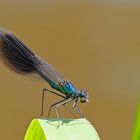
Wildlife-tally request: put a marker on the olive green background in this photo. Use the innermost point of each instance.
(93, 44)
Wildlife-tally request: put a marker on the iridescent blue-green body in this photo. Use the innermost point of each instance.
(68, 88)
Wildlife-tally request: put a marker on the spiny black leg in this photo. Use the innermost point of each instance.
(56, 105)
(57, 116)
(76, 109)
(67, 100)
(42, 102)
(65, 105)
(53, 105)
(54, 93)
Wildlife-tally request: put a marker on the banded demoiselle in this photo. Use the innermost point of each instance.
(22, 60)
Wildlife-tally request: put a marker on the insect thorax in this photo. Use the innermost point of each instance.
(64, 87)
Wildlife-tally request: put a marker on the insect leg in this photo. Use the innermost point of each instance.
(65, 105)
(76, 109)
(58, 104)
(54, 105)
(42, 102)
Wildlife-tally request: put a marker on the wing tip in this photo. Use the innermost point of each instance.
(4, 31)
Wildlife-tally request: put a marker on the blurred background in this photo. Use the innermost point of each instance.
(95, 44)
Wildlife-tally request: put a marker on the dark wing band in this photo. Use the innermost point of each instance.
(22, 60)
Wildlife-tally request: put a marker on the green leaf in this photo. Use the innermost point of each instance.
(69, 129)
(136, 131)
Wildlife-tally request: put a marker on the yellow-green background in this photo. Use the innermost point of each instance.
(95, 44)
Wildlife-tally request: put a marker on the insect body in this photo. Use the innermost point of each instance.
(22, 60)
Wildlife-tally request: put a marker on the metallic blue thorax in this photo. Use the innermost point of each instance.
(70, 89)
(65, 87)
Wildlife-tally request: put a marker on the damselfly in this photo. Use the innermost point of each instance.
(22, 60)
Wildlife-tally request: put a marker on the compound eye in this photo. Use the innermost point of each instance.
(82, 90)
